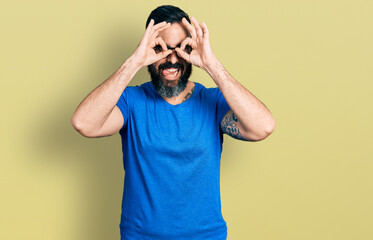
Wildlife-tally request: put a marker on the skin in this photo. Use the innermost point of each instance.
(171, 37)
(249, 119)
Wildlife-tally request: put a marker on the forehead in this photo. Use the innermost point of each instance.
(174, 34)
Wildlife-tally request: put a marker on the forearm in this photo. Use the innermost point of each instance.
(93, 111)
(252, 114)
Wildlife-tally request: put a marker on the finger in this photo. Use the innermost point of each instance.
(186, 41)
(157, 26)
(190, 28)
(163, 54)
(206, 33)
(160, 41)
(183, 54)
(198, 28)
(150, 25)
(156, 32)
(147, 32)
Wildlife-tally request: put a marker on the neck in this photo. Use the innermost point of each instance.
(183, 96)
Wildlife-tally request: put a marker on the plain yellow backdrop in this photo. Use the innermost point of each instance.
(310, 62)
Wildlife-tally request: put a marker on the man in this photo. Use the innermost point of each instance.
(172, 130)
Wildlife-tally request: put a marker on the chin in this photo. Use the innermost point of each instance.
(170, 83)
(169, 87)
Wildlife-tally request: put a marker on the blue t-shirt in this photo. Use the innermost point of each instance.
(171, 158)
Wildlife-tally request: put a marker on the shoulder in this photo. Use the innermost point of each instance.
(138, 90)
(208, 91)
(212, 95)
(133, 95)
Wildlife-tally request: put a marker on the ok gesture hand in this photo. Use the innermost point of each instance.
(145, 54)
(201, 54)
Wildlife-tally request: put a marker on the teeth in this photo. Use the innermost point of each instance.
(172, 74)
(171, 70)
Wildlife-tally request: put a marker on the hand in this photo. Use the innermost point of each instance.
(145, 54)
(201, 54)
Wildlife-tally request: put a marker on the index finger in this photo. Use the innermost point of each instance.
(150, 25)
(190, 28)
(157, 26)
(160, 41)
(160, 28)
(197, 27)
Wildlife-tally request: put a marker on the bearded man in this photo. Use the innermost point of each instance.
(172, 130)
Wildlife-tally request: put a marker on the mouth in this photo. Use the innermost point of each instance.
(171, 73)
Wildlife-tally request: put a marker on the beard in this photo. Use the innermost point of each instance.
(163, 89)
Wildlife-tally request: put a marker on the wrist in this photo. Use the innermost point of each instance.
(132, 64)
(127, 70)
(212, 66)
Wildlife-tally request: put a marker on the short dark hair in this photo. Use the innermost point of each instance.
(167, 13)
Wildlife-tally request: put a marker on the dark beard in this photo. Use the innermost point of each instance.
(157, 80)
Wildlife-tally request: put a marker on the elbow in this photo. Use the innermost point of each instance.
(265, 133)
(79, 127)
(77, 124)
(271, 127)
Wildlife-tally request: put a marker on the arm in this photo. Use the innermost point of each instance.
(97, 115)
(248, 119)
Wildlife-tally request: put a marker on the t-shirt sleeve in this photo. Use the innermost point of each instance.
(222, 105)
(122, 104)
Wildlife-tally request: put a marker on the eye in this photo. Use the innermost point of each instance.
(188, 49)
(158, 48)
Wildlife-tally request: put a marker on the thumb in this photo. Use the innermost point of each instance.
(164, 54)
(183, 54)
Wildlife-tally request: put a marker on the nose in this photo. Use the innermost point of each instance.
(173, 58)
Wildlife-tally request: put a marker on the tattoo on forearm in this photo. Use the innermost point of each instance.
(229, 125)
(189, 94)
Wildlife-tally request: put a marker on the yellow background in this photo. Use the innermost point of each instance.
(310, 62)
